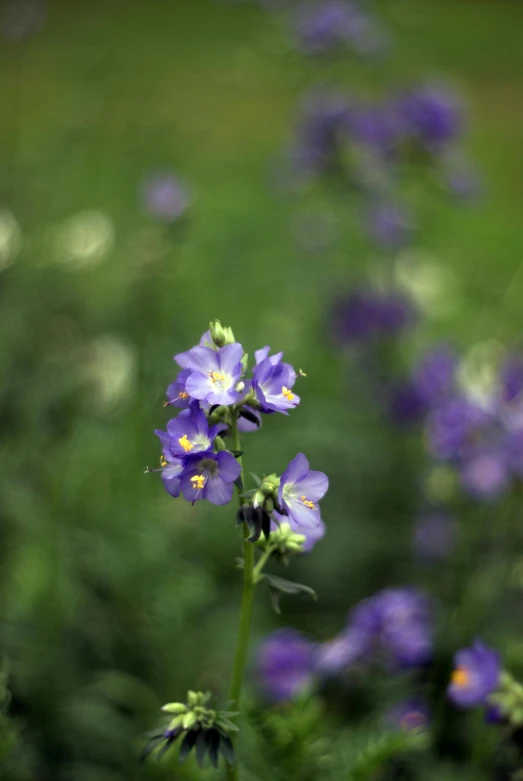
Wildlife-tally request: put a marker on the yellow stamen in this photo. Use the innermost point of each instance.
(184, 442)
(289, 395)
(183, 395)
(163, 462)
(460, 677)
(217, 377)
(308, 503)
(198, 481)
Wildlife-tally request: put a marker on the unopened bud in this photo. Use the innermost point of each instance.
(220, 335)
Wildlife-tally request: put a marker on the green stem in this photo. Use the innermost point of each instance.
(262, 561)
(242, 642)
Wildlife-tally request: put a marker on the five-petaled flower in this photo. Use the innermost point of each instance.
(210, 476)
(299, 492)
(476, 675)
(190, 433)
(272, 382)
(214, 373)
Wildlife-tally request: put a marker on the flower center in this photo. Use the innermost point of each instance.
(460, 677)
(183, 395)
(198, 482)
(308, 503)
(217, 378)
(184, 442)
(289, 395)
(163, 462)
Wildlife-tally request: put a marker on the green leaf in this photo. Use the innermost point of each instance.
(256, 479)
(201, 748)
(227, 749)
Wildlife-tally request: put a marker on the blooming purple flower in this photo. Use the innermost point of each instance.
(451, 424)
(190, 433)
(484, 472)
(410, 715)
(431, 114)
(285, 664)
(299, 492)
(434, 535)
(334, 24)
(389, 225)
(165, 196)
(176, 393)
(171, 467)
(272, 381)
(367, 315)
(214, 373)
(210, 476)
(336, 655)
(475, 677)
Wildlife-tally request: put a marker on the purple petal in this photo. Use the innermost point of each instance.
(228, 466)
(314, 486)
(297, 469)
(301, 515)
(199, 386)
(217, 491)
(229, 357)
(261, 355)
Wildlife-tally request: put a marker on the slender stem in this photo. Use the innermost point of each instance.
(262, 561)
(244, 628)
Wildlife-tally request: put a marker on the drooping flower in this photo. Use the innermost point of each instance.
(272, 382)
(285, 664)
(165, 196)
(176, 393)
(476, 675)
(190, 433)
(410, 715)
(214, 373)
(210, 476)
(299, 492)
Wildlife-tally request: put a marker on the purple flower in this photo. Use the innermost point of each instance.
(171, 467)
(322, 132)
(285, 664)
(410, 715)
(299, 492)
(464, 184)
(367, 315)
(334, 24)
(434, 535)
(484, 472)
(334, 656)
(210, 476)
(247, 426)
(272, 381)
(434, 375)
(407, 404)
(190, 433)
(214, 373)
(451, 424)
(475, 677)
(511, 379)
(375, 127)
(514, 451)
(432, 115)
(176, 393)
(389, 225)
(165, 196)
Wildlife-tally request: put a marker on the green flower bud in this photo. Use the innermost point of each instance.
(189, 720)
(220, 335)
(176, 722)
(175, 707)
(258, 499)
(219, 443)
(217, 415)
(270, 485)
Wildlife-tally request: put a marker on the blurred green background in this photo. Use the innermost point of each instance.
(113, 597)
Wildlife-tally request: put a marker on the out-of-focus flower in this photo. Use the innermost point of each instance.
(84, 240)
(110, 365)
(336, 655)
(434, 375)
(299, 492)
(432, 115)
(335, 25)
(321, 133)
(410, 715)
(285, 664)
(165, 196)
(389, 225)
(210, 476)
(374, 126)
(214, 373)
(450, 424)
(476, 675)
(407, 404)
(484, 472)
(10, 239)
(434, 535)
(366, 315)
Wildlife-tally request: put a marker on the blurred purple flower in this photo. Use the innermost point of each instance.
(366, 315)
(484, 472)
(451, 423)
(475, 677)
(389, 225)
(321, 132)
(285, 664)
(511, 378)
(431, 114)
(434, 535)
(410, 715)
(514, 451)
(374, 126)
(335, 24)
(165, 196)
(464, 184)
(434, 376)
(336, 655)
(407, 404)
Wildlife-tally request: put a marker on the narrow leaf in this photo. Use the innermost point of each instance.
(256, 479)
(289, 587)
(201, 748)
(213, 745)
(187, 745)
(227, 749)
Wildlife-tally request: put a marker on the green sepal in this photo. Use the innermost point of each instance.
(200, 748)
(213, 738)
(174, 707)
(227, 749)
(187, 745)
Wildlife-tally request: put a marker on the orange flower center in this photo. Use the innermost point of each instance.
(460, 677)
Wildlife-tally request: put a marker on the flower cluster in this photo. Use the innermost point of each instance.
(394, 625)
(336, 25)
